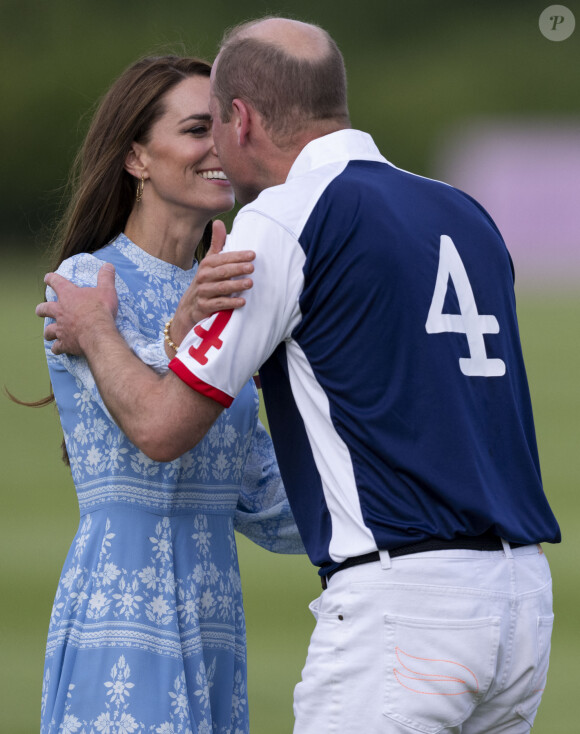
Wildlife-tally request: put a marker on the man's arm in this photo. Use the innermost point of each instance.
(160, 415)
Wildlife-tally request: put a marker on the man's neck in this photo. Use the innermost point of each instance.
(288, 151)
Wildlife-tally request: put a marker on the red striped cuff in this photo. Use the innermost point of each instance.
(177, 366)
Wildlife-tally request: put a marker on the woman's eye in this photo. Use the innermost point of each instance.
(199, 130)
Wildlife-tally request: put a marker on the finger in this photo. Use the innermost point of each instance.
(215, 268)
(56, 281)
(226, 303)
(55, 348)
(223, 288)
(218, 236)
(218, 259)
(50, 332)
(47, 309)
(106, 276)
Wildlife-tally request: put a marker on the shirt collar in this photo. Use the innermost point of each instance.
(343, 145)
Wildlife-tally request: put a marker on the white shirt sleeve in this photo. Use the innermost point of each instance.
(221, 353)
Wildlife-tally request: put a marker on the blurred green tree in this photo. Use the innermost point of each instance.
(414, 68)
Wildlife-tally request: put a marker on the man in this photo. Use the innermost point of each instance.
(383, 318)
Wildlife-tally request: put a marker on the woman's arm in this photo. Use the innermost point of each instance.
(263, 513)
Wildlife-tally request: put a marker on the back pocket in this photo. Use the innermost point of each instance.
(437, 671)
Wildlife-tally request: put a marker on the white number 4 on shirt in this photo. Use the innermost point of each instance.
(468, 321)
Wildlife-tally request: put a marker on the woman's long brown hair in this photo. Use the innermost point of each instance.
(100, 192)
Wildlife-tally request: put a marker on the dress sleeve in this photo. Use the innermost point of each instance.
(263, 514)
(82, 270)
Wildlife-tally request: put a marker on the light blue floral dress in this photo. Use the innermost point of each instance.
(147, 632)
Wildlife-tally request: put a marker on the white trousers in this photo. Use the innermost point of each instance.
(452, 641)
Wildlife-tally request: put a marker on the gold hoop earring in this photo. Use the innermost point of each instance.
(140, 187)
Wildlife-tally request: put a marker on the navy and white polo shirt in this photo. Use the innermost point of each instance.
(383, 321)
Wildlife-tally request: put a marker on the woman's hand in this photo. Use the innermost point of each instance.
(217, 283)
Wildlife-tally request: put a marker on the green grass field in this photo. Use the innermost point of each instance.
(39, 518)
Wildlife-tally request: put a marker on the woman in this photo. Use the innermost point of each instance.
(147, 630)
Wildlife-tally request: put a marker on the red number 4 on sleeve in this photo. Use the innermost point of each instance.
(210, 337)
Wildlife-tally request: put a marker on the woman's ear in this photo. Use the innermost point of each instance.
(134, 163)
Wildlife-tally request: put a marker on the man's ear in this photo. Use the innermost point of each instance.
(134, 161)
(243, 119)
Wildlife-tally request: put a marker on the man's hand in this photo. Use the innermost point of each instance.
(78, 311)
(220, 276)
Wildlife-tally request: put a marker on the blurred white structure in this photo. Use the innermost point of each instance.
(526, 173)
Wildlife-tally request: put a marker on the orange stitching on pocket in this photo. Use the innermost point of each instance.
(433, 679)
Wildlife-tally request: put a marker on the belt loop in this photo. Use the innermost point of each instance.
(507, 548)
(385, 560)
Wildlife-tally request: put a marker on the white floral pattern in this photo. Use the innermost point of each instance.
(118, 716)
(149, 599)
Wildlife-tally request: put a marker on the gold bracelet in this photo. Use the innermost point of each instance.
(171, 343)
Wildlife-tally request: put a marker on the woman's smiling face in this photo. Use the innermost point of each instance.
(180, 162)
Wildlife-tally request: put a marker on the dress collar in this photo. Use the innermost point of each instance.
(150, 264)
